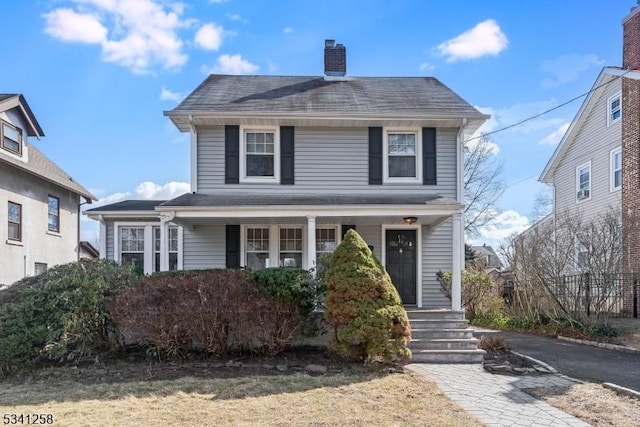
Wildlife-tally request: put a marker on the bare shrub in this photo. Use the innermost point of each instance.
(493, 344)
(212, 311)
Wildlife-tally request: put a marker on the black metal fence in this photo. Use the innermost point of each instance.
(598, 295)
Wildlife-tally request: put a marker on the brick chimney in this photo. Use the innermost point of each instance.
(335, 60)
(631, 144)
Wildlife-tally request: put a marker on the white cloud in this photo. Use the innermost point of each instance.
(486, 38)
(147, 191)
(237, 18)
(135, 34)
(287, 30)
(567, 68)
(503, 225)
(70, 26)
(554, 137)
(506, 116)
(169, 95)
(232, 64)
(425, 66)
(209, 36)
(272, 66)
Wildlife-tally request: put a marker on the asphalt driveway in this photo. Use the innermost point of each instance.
(579, 361)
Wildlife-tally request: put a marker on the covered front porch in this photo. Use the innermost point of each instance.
(412, 236)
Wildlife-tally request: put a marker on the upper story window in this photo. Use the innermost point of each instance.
(401, 156)
(259, 154)
(583, 182)
(11, 138)
(15, 221)
(53, 206)
(615, 168)
(614, 108)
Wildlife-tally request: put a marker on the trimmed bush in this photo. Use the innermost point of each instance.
(291, 284)
(211, 311)
(363, 306)
(60, 315)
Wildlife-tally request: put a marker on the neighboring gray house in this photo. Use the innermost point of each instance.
(488, 256)
(282, 166)
(39, 202)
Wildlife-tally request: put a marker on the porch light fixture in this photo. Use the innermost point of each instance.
(409, 220)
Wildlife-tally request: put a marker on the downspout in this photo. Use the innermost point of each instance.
(194, 155)
(78, 242)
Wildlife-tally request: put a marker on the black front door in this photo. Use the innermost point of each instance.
(401, 262)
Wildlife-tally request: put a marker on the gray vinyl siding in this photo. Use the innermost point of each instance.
(110, 244)
(592, 142)
(327, 160)
(437, 254)
(372, 234)
(204, 247)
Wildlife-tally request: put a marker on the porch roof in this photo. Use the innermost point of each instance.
(191, 200)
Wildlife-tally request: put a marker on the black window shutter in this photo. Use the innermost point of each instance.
(346, 228)
(287, 149)
(233, 246)
(231, 154)
(429, 170)
(375, 156)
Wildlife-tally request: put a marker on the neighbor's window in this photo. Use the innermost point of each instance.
(583, 182)
(616, 169)
(582, 256)
(257, 248)
(260, 148)
(39, 268)
(132, 246)
(291, 247)
(11, 138)
(614, 108)
(402, 159)
(53, 223)
(15, 221)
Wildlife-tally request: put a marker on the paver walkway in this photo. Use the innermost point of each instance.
(498, 400)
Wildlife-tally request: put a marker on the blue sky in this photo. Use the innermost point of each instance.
(99, 73)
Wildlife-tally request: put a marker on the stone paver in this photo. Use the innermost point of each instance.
(498, 400)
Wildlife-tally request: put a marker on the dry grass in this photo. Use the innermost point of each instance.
(593, 404)
(352, 399)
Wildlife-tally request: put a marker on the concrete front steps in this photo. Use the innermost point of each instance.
(441, 336)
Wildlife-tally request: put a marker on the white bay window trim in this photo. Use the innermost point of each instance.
(149, 250)
(417, 154)
(244, 178)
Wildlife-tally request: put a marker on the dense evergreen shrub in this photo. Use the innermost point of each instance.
(61, 314)
(363, 306)
(212, 311)
(291, 284)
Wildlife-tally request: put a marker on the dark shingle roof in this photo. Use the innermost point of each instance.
(205, 200)
(40, 165)
(414, 96)
(129, 205)
(13, 100)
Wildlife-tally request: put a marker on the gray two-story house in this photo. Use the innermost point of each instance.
(39, 202)
(282, 166)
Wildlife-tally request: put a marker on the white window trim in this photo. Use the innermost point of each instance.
(383, 253)
(304, 243)
(610, 100)
(577, 246)
(148, 242)
(179, 252)
(19, 153)
(612, 155)
(582, 166)
(337, 229)
(385, 156)
(275, 179)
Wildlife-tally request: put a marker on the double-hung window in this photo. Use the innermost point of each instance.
(53, 207)
(614, 109)
(11, 138)
(259, 154)
(257, 248)
(291, 246)
(172, 248)
(402, 156)
(132, 246)
(582, 256)
(583, 182)
(615, 168)
(15, 221)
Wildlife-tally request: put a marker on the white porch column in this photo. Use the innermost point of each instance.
(311, 244)
(164, 243)
(456, 268)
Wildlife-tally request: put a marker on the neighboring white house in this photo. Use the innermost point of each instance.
(39, 202)
(282, 166)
